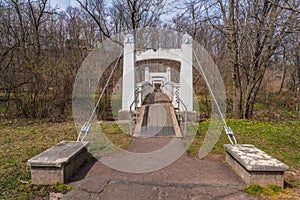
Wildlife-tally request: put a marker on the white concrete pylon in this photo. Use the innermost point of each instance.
(128, 72)
(186, 73)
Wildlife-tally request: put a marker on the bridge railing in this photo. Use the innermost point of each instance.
(134, 103)
(172, 90)
(182, 105)
(142, 91)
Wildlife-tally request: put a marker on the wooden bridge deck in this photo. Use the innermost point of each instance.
(157, 117)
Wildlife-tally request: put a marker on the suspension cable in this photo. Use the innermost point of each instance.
(86, 126)
(228, 130)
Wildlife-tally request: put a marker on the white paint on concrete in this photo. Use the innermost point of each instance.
(186, 73)
(128, 73)
(167, 54)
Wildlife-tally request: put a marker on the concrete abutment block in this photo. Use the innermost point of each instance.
(58, 163)
(255, 166)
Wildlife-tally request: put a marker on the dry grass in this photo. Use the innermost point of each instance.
(20, 141)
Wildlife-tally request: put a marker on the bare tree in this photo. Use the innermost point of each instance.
(40, 54)
(41, 48)
(97, 10)
(124, 14)
(254, 31)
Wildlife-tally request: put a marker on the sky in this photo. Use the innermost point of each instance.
(63, 4)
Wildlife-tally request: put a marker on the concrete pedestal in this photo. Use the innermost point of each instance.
(254, 166)
(58, 163)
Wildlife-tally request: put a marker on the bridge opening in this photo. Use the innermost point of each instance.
(157, 87)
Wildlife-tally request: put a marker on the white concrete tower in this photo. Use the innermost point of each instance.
(128, 72)
(186, 72)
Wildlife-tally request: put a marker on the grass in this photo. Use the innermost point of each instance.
(279, 139)
(271, 190)
(113, 139)
(19, 142)
(115, 133)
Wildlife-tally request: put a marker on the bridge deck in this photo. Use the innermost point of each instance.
(157, 117)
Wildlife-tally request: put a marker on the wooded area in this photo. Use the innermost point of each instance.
(254, 43)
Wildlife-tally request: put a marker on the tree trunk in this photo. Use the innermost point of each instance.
(250, 99)
(282, 79)
(297, 65)
(237, 100)
(233, 48)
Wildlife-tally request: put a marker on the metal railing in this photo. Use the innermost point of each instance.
(140, 96)
(185, 114)
(134, 102)
(183, 105)
(171, 92)
(147, 88)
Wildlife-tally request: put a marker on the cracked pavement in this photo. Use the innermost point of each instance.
(187, 178)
